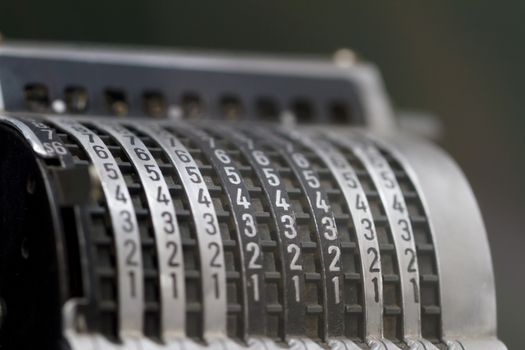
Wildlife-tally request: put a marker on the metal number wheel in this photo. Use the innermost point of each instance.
(137, 234)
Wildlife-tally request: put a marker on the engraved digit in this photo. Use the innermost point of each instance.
(232, 175)
(183, 156)
(211, 229)
(100, 151)
(296, 251)
(111, 171)
(128, 223)
(407, 236)
(161, 197)
(389, 182)
(360, 204)
(374, 266)
(321, 203)
(335, 260)
(397, 205)
(256, 250)
(193, 174)
(335, 281)
(172, 261)
(416, 290)
(272, 179)
(217, 250)
(330, 232)
(215, 277)
(311, 179)
(203, 198)
(280, 201)
(370, 234)
(222, 156)
(132, 283)
(169, 226)
(153, 174)
(261, 158)
(242, 200)
(376, 289)
(296, 287)
(131, 254)
(250, 230)
(289, 224)
(255, 281)
(412, 263)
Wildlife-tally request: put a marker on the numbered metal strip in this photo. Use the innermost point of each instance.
(165, 227)
(364, 227)
(51, 142)
(251, 256)
(325, 227)
(211, 251)
(404, 174)
(290, 242)
(124, 225)
(41, 141)
(42, 138)
(397, 213)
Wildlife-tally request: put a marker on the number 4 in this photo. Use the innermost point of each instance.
(280, 201)
(242, 200)
(161, 197)
(397, 205)
(119, 195)
(321, 203)
(203, 199)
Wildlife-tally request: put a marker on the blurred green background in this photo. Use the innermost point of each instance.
(462, 60)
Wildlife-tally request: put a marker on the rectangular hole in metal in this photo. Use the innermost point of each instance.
(340, 113)
(76, 98)
(231, 107)
(116, 101)
(303, 110)
(192, 105)
(37, 97)
(267, 109)
(154, 103)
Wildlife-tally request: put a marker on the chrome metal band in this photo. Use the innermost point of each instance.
(40, 147)
(364, 227)
(124, 224)
(468, 316)
(402, 232)
(206, 225)
(245, 217)
(165, 226)
(285, 220)
(329, 245)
